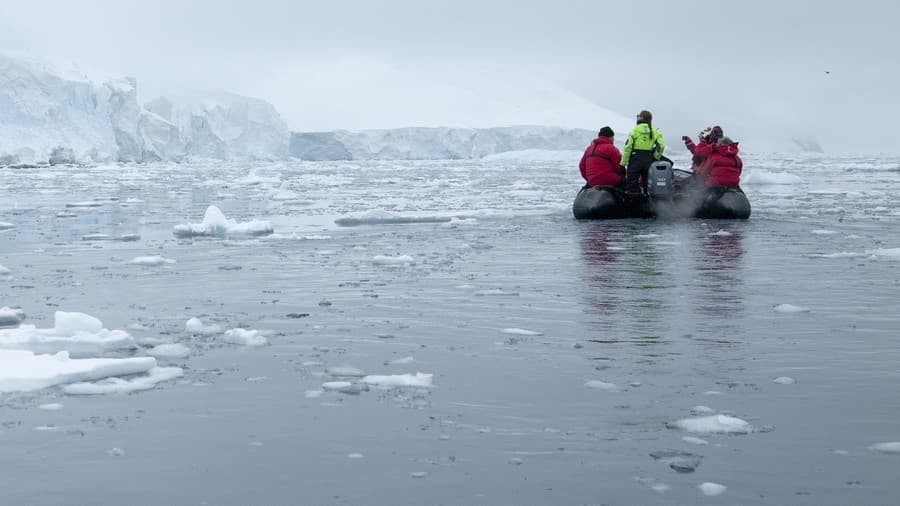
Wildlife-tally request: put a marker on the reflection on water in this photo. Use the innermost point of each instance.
(601, 252)
(718, 263)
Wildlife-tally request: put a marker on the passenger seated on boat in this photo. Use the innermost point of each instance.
(600, 164)
(723, 167)
(707, 139)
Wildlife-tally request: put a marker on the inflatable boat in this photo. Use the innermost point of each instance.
(671, 193)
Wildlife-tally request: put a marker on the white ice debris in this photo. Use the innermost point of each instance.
(10, 317)
(76, 333)
(402, 361)
(400, 380)
(822, 232)
(345, 371)
(4, 270)
(170, 350)
(602, 385)
(714, 424)
(122, 386)
(784, 380)
(763, 178)
(196, 327)
(711, 489)
(393, 260)
(245, 337)
(520, 332)
(694, 440)
(215, 224)
(5, 225)
(790, 308)
(884, 253)
(721, 233)
(24, 371)
(892, 447)
(152, 260)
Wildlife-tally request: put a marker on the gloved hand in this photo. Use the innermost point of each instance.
(685, 138)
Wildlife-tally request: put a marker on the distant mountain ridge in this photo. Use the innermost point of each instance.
(424, 143)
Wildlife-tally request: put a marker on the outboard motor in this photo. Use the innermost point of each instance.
(661, 180)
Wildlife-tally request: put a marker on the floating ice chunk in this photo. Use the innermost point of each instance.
(711, 489)
(96, 237)
(76, 333)
(284, 193)
(91, 203)
(115, 452)
(602, 385)
(344, 370)
(312, 394)
(389, 260)
(520, 332)
(495, 291)
(400, 380)
(679, 461)
(4, 270)
(5, 225)
(195, 326)
(216, 225)
(694, 440)
(714, 424)
(380, 217)
(401, 361)
(152, 260)
(516, 461)
(23, 371)
(822, 232)
(841, 254)
(890, 447)
(888, 254)
(245, 337)
(646, 236)
(123, 386)
(52, 406)
(784, 380)
(790, 308)
(171, 350)
(457, 222)
(345, 387)
(355, 456)
(418, 474)
(10, 317)
(721, 233)
(712, 392)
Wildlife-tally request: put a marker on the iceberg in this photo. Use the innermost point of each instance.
(225, 126)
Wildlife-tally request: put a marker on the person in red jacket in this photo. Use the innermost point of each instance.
(701, 151)
(724, 165)
(600, 163)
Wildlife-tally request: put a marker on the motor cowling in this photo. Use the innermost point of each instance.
(661, 180)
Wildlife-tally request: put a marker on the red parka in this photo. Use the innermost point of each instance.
(724, 166)
(600, 163)
(701, 154)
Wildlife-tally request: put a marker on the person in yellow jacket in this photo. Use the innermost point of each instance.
(644, 146)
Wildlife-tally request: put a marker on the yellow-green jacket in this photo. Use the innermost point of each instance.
(643, 138)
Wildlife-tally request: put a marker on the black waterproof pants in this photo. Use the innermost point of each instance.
(638, 165)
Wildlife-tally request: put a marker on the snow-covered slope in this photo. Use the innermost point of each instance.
(433, 143)
(226, 126)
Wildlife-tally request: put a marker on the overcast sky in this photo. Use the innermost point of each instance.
(764, 70)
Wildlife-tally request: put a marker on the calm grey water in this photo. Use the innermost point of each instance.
(670, 316)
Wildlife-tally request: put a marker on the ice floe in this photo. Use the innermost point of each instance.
(712, 489)
(245, 337)
(602, 385)
(784, 380)
(713, 424)
(400, 380)
(76, 333)
(215, 224)
(170, 350)
(389, 260)
(25, 371)
(892, 447)
(195, 326)
(520, 332)
(152, 260)
(124, 385)
(10, 317)
(790, 308)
